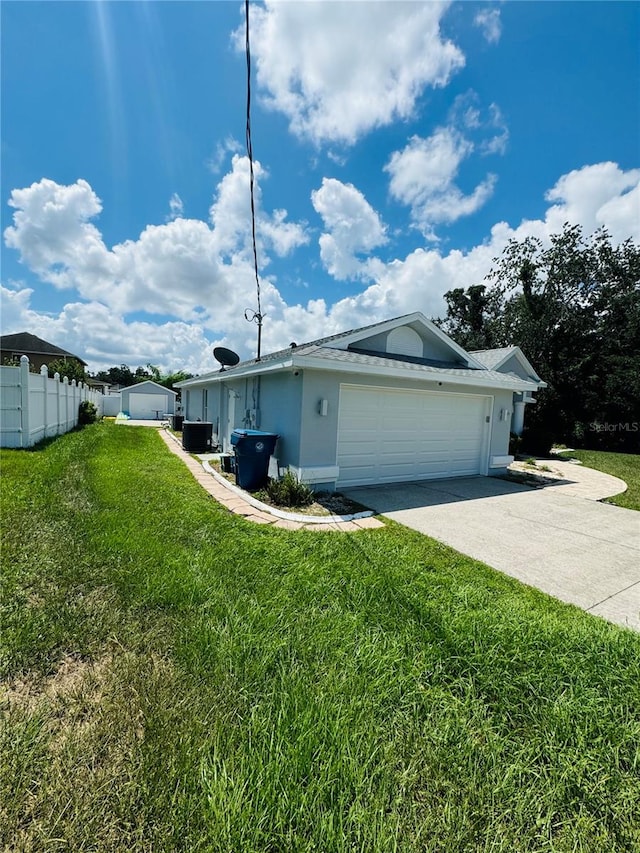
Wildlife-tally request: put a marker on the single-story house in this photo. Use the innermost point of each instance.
(37, 350)
(147, 401)
(393, 401)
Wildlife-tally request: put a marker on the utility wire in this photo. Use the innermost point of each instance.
(257, 315)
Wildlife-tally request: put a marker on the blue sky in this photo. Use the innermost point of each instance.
(399, 147)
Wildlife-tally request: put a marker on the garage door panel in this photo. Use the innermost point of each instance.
(145, 406)
(389, 435)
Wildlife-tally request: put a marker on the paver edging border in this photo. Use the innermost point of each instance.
(278, 513)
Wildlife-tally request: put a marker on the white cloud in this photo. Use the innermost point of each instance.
(602, 194)
(337, 70)
(496, 144)
(352, 227)
(180, 274)
(217, 160)
(488, 20)
(52, 232)
(104, 339)
(594, 196)
(176, 207)
(487, 128)
(423, 175)
(183, 268)
(230, 215)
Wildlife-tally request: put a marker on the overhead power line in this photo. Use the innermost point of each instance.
(252, 316)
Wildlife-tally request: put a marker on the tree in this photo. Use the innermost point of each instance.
(125, 377)
(474, 316)
(172, 378)
(68, 367)
(574, 309)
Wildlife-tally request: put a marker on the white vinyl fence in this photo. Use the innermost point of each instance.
(33, 407)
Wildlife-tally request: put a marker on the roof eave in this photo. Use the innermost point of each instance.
(511, 384)
(255, 369)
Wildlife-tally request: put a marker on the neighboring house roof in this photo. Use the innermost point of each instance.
(338, 352)
(97, 383)
(28, 344)
(493, 359)
(138, 386)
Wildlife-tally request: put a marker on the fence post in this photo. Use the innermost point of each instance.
(25, 435)
(65, 388)
(74, 402)
(56, 376)
(44, 373)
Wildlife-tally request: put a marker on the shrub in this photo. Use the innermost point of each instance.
(87, 413)
(289, 491)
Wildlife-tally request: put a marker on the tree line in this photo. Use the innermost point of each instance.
(121, 375)
(574, 310)
(124, 376)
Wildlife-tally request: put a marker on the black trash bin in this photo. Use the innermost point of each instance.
(176, 422)
(197, 436)
(253, 449)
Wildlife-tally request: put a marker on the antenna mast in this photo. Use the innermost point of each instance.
(249, 314)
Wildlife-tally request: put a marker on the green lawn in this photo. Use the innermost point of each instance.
(626, 466)
(178, 679)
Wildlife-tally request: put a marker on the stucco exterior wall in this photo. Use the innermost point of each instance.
(318, 446)
(270, 403)
(192, 403)
(302, 407)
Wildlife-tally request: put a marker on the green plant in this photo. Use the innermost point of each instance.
(68, 367)
(87, 413)
(181, 679)
(289, 491)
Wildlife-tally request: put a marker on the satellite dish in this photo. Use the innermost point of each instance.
(226, 357)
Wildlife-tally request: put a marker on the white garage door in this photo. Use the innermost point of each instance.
(145, 406)
(387, 435)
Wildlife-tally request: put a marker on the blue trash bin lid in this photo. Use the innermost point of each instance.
(240, 436)
(253, 432)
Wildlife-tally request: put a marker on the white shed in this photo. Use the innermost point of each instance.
(147, 401)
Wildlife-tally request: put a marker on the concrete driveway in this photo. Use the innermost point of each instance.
(576, 549)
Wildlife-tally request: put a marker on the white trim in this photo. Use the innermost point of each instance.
(524, 362)
(229, 375)
(417, 316)
(316, 474)
(512, 383)
(501, 461)
(139, 385)
(375, 329)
